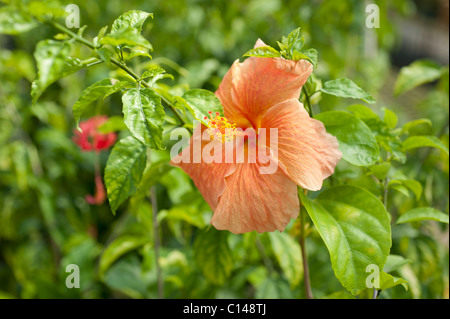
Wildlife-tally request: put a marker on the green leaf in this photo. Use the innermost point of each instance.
(263, 52)
(100, 89)
(388, 281)
(390, 143)
(417, 73)
(423, 213)
(395, 262)
(124, 169)
(415, 285)
(402, 189)
(413, 142)
(100, 35)
(155, 72)
(126, 31)
(13, 22)
(126, 276)
(413, 185)
(45, 10)
(153, 174)
(113, 124)
(363, 112)
(310, 55)
(355, 227)
(213, 255)
(131, 19)
(356, 141)
(119, 247)
(144, 116)
(408, 126)
(136, 53)
(293, 40)
(53, 63)
(288, 254)
(380, 171)
(273, 289)
(347, 89)
(125, 37)
(292, 43)
(152, 71)
(186, 213)
(200, 102)
(390, 118)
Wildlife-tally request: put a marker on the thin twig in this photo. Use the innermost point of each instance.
(308, 101)
(307, 281)
(157, 243)
(121, 65)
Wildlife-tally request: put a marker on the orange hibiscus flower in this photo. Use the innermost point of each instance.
(261, 93)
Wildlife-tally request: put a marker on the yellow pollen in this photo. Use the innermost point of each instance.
(219, 127)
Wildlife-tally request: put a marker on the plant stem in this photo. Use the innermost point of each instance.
(308, 101)
(375, 293)
(307, 281)
(385, 191)
(154, 201)
(121, 65)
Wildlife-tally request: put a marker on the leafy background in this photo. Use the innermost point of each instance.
(46, 224)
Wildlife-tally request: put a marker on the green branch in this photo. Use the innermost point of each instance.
(119, 64)
(308, 101)
(306, 279)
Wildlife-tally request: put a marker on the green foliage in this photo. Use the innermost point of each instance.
(386, 204)
(199, 102)
(100, 89)
(124, 169)
(213, 256)
(132, 19)
(424, 141)
(355, 227)
(126, 31)
(53, 63)
(347, 89)
(423, 213)
(356, 141)
(119, 247)
(14, 22)
(263, 52)
(144, 115)
(387, 281)
(287, 252)
(418, 73)
(290, 48)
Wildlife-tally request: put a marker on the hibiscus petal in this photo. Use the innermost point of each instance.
(307, 151)
(259, 43)
(209, 178)
(250, 88)
(255, 201)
